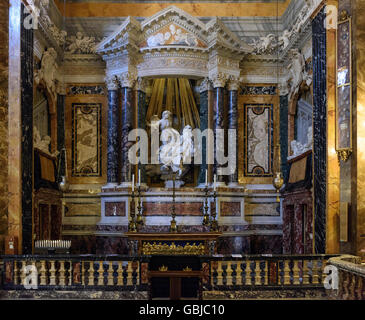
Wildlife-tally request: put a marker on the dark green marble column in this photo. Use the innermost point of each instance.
(232, 124)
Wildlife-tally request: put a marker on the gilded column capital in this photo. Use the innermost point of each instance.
(219, 79)
(127, 79)
(141, 84)
(233, 84)
(205, 85)
(112, 82)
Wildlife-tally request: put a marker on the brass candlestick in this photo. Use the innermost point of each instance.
(173, 227)
(278, 182)
(205, 208)
(132, 226)
(139, 208)
(213, 213)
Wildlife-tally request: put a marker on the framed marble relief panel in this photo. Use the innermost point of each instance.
(258, 140)
(86, 140)
(344, 94)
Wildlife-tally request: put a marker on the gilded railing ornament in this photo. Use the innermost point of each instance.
(343, 154)
(163, 268)
(149, 248)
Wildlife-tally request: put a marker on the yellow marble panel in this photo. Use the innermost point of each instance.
(200, 9)
(333, 169)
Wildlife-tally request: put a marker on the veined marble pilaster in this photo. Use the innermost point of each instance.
(232, 121)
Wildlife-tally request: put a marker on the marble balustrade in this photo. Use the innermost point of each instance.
(351, 278)
(117, 272)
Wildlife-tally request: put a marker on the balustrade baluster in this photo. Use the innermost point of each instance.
(101, 274)
(16, 272)
(238, 274)
(83, 276)
(214, 272)
(296, 271)
(91, 273)
(229, 270)
(52, 276)
(248, 280)
(110, 274)
(305, 272)
(43, 272)
(62, 271)
(22, 272)
(220, 274)
(129, 274)
(315, 272)
(257, 272)
(70, 274)
(287, 272)
(120, 274)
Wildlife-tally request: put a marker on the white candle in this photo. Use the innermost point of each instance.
(206, 177)
(139, 177)
(132, 182)
(215, 180)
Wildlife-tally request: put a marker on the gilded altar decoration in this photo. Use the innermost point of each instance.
(258, 139)
(187, 269)
(344, 95)
(150, 248)
(163, 268)
(86, 139)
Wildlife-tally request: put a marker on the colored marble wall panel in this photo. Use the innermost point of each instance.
(258, 139)
(86, 140)
(73, 209)
(262, 209)
(164, 208)
(230, 209)
(97, 115)
(115, 209)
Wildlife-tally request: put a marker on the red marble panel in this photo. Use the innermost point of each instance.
(297, 222)
(76, 270)
(144, 270)
(115, 209)
(164, 208)
(230, 209)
